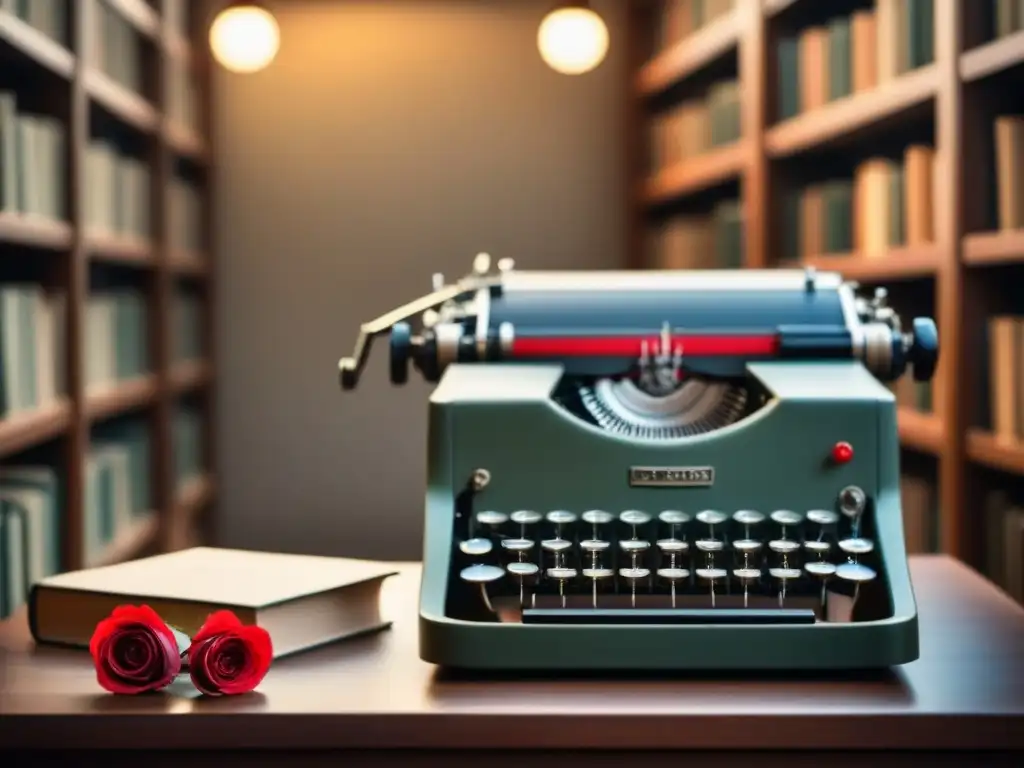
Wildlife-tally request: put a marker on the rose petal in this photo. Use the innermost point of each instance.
(160, 664)
(217, 623)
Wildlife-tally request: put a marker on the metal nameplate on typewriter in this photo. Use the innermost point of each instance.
(758, 525)
(672, 477)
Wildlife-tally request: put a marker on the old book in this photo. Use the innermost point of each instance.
(1009, 138)
(1005, 19)
(876, 197)
(886, 35)
(863, 32)
(811, 217)
(896, 235)
(837, 196)
(920, 32)
(814, 75)
(1003, 350)
(840, 58)
(302, 601)
(919, 164)
(788, 53)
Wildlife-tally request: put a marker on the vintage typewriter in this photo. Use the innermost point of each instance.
(660, 470)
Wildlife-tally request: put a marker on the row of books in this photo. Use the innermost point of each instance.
(32, 161)
(188, 325)
(712, 240)
(187, 430)
(118, 193)
(1007, 17)
(185, 214)
(694, 126)
(677, 19)
(115, 337)
(1004, 543)
(32, 332)
(885, 204)
(920, 514)
(116, 48)
(853, 53)
(30, 504)
(1009, 164)
(1005, 368)
(117, 485)
(47, 16)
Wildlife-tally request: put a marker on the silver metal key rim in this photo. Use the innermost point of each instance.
(594, 545)
(518, 545)
(561, 517)
(711, 574)
(476, 547)
(634, 574)
(786, 517)
(673, 574)
(858, 573)
(522, 569)
(785, 574)
(748, 517)
(783, 546)
(634, 517)
(490, 517)
(561, 574)
(597, 573)
(555, 545)
(481, 574)
(634, 545)
(673, 545)
(709, 545)
(857, 546)
(526, 517)
(817, 547)
(711, 517)
(747, 545)
(747, 574)
(673, 517)
(597, 517)
(820, 569)
(823, 517)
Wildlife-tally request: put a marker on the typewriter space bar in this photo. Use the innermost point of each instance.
(738, 616)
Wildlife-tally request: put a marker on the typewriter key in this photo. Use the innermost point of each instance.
(784, 546)
(673, 576)
(747, 548)
(522, 571)
(711, 576)
(633, 575)
(784, 576)
(634, 545)
(594, 545)
(673, 517)
(673, 547)
(857, 546)
(857, 574)
(748, 518)
(785, 518)
(562, 575)
(482, 575)
(519, 546)
(823, 517)
(491, 518)
(711, 518)
(525, 517)
(556, 547)
(709, 545)
(822, 571)
(476, 547)
(819, 548)
(595, 575)
(560, 517)
(746, 577)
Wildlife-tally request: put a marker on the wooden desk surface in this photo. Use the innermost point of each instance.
(966, 692)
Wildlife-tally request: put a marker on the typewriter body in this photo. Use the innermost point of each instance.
(660, 470)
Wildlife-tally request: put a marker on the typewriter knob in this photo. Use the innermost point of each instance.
(401, 351)
(924, 348)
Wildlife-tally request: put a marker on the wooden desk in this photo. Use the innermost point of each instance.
(374, 694)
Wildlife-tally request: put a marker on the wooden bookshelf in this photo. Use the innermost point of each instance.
(64, 74)
(947, 103)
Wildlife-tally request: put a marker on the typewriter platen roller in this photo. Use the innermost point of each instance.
(660, 470)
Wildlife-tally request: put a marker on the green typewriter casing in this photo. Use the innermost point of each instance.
(500, 440)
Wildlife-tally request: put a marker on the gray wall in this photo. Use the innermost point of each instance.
(389, 140)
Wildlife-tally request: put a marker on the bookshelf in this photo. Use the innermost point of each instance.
(918, 91)
(106, 282)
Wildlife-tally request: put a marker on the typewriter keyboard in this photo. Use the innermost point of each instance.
(744, 566)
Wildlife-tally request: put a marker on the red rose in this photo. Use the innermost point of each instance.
(134, 651)
(228, 657)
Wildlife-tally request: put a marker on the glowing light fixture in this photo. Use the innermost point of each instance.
(244, 37)
(573, 39)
